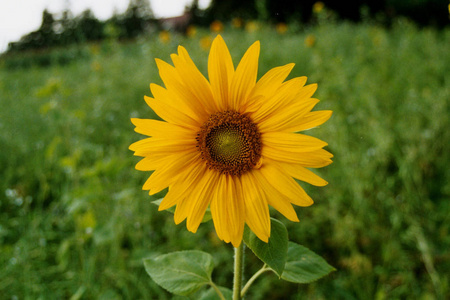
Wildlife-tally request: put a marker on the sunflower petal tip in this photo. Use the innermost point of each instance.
(265, 239)
(236, 243)
(191, 227)
(257, 46)
(159, 63)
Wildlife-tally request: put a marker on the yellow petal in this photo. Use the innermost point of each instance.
(200, 198)
(181, 210)
(156, 161)
(166, 175)
(193, 206)
(275, 199)
(302, 174)
(236, 213)
(280, 117)
(217, 210)
(285, 95)
(179, 93)
(170, 113)
(315, 159)
(179, 191)
(307, 121)
(153, 145)
(285, 184)
(173, 196)
(272, 80)
(221, 71)
(159, 128)
(171, 98)
(228, 212)
(245, 77)
(292, 142)
(268, 85)
(195, 83)
(256, 208)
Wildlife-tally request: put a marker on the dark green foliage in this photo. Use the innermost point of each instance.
(136, 20)
(139, 19)
(224, 10)
(89, 27)
(424, 12)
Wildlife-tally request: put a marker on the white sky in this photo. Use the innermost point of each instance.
(19, 17)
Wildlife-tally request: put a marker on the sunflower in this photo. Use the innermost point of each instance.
(230, 143)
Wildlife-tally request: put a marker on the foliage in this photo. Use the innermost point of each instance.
(67, 30)
(139, 20)
(424, 12)
(74, 222)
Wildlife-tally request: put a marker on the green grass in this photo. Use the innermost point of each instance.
(75, 224)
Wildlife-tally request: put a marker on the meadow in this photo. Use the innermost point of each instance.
(75, 224)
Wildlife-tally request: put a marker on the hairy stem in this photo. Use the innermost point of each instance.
(251, 280)
(238, 270)
(219, 293)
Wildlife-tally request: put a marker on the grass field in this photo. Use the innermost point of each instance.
(75, 224)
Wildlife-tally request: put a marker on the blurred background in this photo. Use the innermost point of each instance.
(74, 222)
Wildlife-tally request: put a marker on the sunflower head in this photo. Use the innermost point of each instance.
(230, 143)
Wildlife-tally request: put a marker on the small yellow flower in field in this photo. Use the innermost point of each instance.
(251, 26)
(216, 26)
(318, 7)
(236, 22)
(310, 40)
(230, 143)
(191, 31)
(95, 49)
(205, 42)
(86, 220)
(281, 28)
(96, 66)
(164, 36)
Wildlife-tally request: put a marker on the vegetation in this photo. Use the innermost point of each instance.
(69, 29)
(64, 29)
(425, 12)
(75, 224)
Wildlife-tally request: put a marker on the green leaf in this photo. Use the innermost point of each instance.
(211, 294)
(181, 273)
(273, 253)
(206, 217)
(304, 266)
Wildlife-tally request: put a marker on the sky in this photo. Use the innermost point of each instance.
(19, 17)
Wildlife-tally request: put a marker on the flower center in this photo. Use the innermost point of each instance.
(230, 143)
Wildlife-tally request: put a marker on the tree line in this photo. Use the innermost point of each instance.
(69, 29)
(139, 18)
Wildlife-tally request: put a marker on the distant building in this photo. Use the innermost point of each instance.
(179, 23)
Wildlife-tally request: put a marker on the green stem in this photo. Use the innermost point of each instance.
(238, 270)
(251, 280)
(219, 293)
